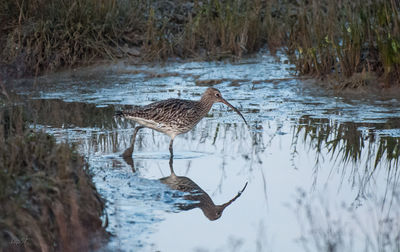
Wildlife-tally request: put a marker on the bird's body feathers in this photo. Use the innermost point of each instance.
(172, 116)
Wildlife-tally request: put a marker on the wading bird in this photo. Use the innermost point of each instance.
(173, 116)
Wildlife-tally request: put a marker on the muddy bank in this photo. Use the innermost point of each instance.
(48, 201)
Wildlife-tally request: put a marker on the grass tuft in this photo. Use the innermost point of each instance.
(47, 199)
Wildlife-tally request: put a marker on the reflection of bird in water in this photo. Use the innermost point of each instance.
(173, 116)
(199, 197)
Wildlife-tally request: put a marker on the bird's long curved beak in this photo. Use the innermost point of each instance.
(232, 107)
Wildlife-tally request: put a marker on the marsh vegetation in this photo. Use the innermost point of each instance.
(356, 43)
(47, 197)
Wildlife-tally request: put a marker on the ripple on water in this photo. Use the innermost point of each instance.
(165, 155)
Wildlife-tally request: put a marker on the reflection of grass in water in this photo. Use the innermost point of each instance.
(60, 114)
(390, 146)
(346, 143)
(326, 226)
(47, 199)
(343, 141)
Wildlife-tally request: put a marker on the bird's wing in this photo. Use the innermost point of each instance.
(164, 111)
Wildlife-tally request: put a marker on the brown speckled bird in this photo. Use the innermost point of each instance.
(173, 116)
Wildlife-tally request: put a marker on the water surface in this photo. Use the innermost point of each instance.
(322, 169)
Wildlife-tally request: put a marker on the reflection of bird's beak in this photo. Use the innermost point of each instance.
(232, 107)
(220, 208)
(223, 206)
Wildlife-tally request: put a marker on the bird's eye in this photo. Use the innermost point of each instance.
(217, 95)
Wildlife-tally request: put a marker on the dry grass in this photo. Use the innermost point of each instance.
(47, 199)
(226, 28)
(324, 37)
(43, 35)
(46, 35)
(345, 38)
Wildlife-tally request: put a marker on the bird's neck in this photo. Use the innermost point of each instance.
(205, 105)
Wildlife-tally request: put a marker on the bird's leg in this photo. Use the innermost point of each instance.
(128, 152)
(171, 151)
(171, 165)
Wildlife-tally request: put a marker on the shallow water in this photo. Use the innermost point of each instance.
(322, 169)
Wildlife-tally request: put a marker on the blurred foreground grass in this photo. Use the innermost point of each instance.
(47, 199)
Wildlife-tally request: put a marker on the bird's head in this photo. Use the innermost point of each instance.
(213, 95)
